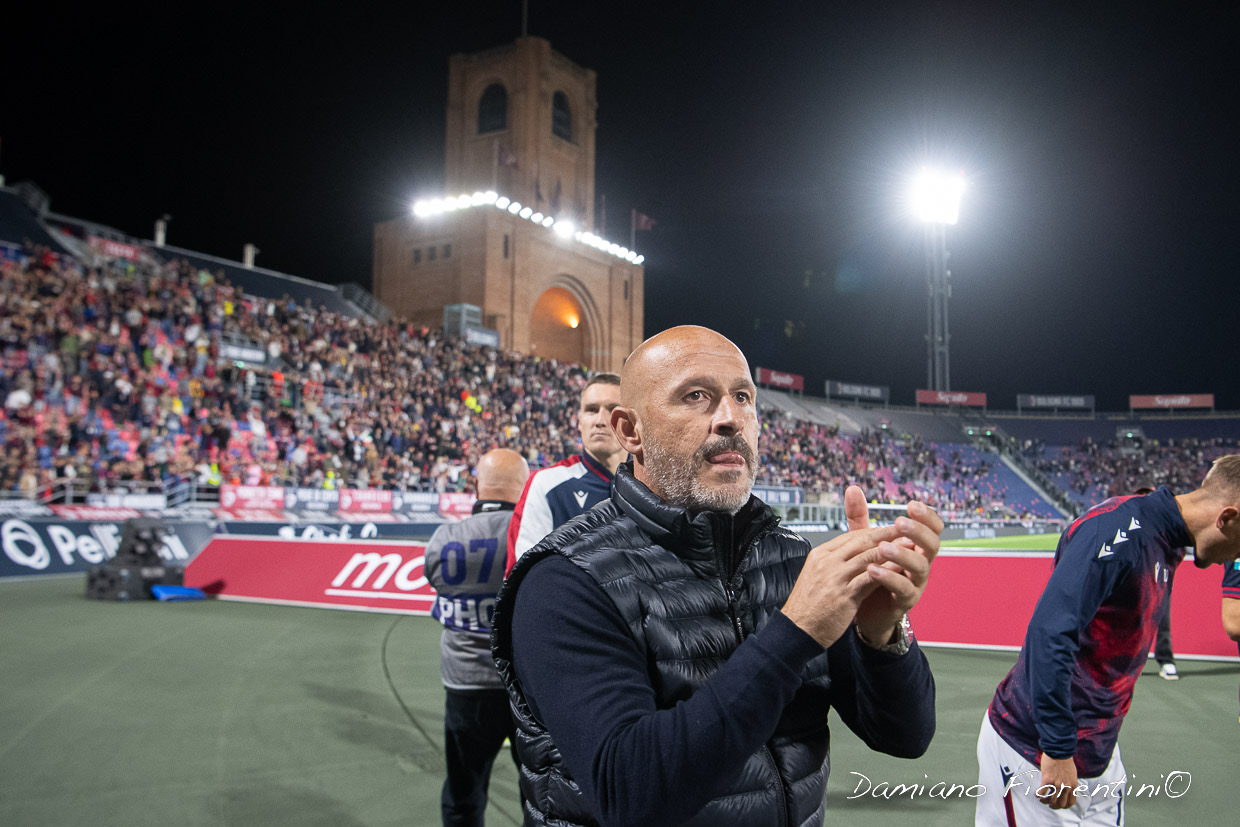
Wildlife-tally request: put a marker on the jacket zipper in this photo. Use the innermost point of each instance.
(733, 614)
(730, 577)
(781, 801)
(731, 572)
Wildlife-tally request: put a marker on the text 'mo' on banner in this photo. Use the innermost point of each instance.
(369, 575)
(973, 400)
(781, 380)
(1167, 401)
(860, 393)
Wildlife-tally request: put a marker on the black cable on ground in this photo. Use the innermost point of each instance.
(396, 694)
(414, 721)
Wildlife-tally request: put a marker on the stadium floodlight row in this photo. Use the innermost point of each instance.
(561, 226)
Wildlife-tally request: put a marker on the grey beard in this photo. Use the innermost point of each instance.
(677, 476)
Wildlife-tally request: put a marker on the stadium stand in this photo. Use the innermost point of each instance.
(145, 371)
(19, 222)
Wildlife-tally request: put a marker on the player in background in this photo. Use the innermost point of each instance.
(1163, 652)
(1048, 740)
(572, 486)
(1231, 602)
(465, 565)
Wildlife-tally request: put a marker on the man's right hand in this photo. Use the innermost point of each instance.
(834, 581)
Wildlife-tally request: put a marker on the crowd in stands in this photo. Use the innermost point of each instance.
(952, 478)
(114, 376)
(1091, 471)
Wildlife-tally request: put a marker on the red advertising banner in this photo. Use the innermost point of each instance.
(262, 497)
(386, 576)
(251, 515)
(368, 517)
(95, 512)
(115, 249)
(365, 499)
(999, 618)
(778, 379)
(456, 506)
(374, 576)
(976, 400)
(1172, 400)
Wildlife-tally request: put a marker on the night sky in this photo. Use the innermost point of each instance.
(1097, 247)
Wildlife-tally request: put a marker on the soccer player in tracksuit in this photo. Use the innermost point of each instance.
(465, 566)
(1048, 741)
(1231, 602)
(572, 486)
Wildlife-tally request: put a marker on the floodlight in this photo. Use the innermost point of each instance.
(526, 212)
(563, 228)
(936, 196)
(514, 207)
(548, 221)
(639, 259)
(536, 217)
(502, 203)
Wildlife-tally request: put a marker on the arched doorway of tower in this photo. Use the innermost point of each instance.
(564, 323)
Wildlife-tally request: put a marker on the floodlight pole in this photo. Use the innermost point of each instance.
(938, 280)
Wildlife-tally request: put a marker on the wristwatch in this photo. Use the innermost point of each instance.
(899, 646)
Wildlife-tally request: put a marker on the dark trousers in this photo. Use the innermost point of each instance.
(1162, 643)
(475, 725)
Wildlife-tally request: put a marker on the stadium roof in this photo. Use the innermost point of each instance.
(259, 281)
(19, 221)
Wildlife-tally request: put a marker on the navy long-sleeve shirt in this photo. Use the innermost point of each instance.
(589, 684)
(1091, 631)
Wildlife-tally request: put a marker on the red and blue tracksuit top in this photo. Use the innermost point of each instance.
(1091, 631)
(552, 497)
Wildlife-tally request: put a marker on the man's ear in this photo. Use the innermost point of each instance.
(1228, 521)
(628, 430)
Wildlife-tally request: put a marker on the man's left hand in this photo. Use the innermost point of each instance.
(902, 578)
(1059, 782)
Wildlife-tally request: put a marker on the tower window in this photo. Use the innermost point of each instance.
(493, 109)
(417, 257)
(447, 251)
(505, 245)
(561, 117)
(430, 252)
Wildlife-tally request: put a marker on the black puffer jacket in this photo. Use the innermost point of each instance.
(689, 593)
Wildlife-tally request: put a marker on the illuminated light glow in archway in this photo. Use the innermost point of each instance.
(560, 325)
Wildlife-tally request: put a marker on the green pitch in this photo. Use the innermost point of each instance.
(219, 713)
(1029, 542)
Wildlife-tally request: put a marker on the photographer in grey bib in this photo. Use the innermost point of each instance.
(465, 565)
